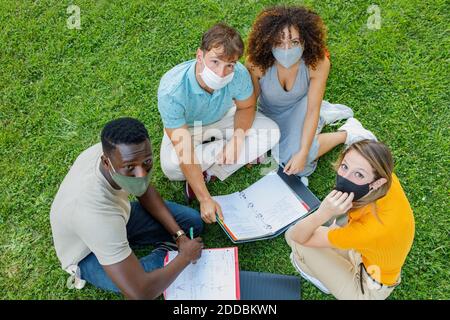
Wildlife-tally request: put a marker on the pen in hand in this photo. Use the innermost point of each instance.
(191, 235)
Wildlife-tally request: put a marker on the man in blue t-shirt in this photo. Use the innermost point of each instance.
(208, 110)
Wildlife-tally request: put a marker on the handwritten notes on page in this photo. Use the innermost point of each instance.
(215, 276)
(261, 210)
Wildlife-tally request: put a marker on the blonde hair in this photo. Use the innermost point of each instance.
(380, 159)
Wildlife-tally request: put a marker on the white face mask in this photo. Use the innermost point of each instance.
(287, 57)
(212, 80)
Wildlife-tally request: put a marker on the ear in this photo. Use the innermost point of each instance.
(105, 161)
(377, 184)
(199, 55)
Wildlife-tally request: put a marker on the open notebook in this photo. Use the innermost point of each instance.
(266, 208)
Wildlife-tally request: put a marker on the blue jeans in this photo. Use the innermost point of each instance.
(142, 230)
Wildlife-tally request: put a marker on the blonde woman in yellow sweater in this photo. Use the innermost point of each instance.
(363, 258)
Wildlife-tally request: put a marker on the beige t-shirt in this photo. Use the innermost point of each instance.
(89, 215)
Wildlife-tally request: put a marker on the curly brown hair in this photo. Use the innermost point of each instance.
(267, 29)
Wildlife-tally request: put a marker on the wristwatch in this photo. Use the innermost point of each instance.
(178, 234)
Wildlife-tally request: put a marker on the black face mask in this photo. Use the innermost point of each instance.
(345, 185)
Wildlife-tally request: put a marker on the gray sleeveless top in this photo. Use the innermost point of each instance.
(273, 99)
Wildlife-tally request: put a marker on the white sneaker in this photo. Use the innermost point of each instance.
(356, 132)
(331, 113)
(319, 285)
(305, 181)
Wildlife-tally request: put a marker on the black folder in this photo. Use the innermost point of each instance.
(269, 286)
(300, 189)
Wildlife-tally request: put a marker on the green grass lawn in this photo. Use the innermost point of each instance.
(58, 87)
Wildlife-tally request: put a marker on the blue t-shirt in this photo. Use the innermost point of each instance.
(182, 101)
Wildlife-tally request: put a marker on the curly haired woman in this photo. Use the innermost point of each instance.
(289, 64)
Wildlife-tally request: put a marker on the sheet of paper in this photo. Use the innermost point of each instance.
(239, 218)
(262, 209)
(276, 204)
(213, 277)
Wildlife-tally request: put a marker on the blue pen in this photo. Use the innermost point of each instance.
(191, 232)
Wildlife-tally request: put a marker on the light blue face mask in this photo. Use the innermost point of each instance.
(134, 185)
(287, 57)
